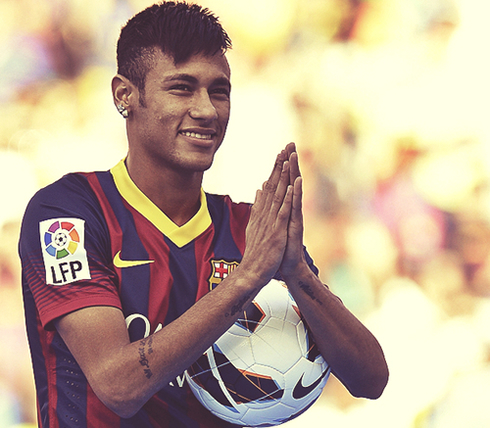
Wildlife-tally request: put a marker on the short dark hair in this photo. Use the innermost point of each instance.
(179, 29)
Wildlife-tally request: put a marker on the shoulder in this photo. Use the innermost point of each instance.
(69, 197)
(223, 205)
(71, 189)
(226, 201)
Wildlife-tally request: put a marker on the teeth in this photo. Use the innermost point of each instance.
(196, 135)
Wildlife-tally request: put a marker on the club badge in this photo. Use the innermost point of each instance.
(220, 270)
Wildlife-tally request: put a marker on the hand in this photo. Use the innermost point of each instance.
(267, 230)
(294, 253)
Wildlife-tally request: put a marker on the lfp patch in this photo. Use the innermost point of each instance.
(64, 255)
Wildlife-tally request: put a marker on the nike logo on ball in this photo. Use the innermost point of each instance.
(301, 391)
(120, 263)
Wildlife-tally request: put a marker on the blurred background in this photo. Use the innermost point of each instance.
(388, 102)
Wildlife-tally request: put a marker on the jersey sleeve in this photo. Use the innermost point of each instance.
(310, 262)
(65, 251)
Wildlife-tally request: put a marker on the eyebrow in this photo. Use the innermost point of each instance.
(181, 76)
(220, 81)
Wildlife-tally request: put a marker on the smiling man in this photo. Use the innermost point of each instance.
(175, 127)
(118, 266)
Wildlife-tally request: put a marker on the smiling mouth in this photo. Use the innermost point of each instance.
(197, 135)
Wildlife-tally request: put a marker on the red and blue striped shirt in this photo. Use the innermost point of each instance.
(94, 239)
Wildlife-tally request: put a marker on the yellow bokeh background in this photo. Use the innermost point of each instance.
(388, 102)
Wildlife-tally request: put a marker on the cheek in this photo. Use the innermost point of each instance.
(224, 115)
(168, 122)
(167, 110)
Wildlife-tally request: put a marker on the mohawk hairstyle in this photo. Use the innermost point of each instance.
(178, 29)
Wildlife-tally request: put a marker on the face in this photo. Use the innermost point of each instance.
(185, 114)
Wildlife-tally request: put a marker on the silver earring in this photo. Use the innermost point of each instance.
(121, 109)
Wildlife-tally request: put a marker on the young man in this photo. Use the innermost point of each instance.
(120, 295)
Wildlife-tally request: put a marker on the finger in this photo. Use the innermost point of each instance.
(281, 189)
(292, 155)
(290, 149)
(284, 212)
(295, 226)
(271, 184)
(260, 204)
(258, 198)
(268, 200)
(294, 171)
(297, 202)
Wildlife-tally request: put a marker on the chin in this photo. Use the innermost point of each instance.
(198, 166)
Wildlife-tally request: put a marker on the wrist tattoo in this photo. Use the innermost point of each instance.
(307, 289)
(144, 349)
(238, 307)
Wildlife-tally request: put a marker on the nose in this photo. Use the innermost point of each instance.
(202, 107)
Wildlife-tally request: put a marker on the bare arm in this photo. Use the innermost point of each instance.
(353, 353)
(125, 375)
(346, 344)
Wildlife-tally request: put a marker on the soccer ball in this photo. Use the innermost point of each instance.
(265, 370)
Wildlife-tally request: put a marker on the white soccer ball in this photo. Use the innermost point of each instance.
(265, 370)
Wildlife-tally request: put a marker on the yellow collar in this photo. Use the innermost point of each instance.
(179, 235)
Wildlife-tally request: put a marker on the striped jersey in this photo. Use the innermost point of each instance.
(94, 239)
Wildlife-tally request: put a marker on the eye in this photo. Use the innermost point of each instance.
(221, 92)
(181, 87)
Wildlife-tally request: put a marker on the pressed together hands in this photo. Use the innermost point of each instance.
(274, 238)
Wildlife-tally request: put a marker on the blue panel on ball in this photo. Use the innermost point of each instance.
(202, 374)
(251, 318)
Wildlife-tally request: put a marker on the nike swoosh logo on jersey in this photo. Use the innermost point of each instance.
(120, 263)
(301, 391)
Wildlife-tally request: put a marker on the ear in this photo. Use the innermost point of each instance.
(123, 91)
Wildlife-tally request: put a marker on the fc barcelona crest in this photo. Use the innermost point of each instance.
(220, 270)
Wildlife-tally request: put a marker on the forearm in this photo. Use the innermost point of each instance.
(125, 375)
(184, 340)
(353, 353)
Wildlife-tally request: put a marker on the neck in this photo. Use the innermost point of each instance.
(177, 194)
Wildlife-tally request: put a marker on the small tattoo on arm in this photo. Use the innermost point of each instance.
(307, 289)
(144, 349)
(238, 307)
